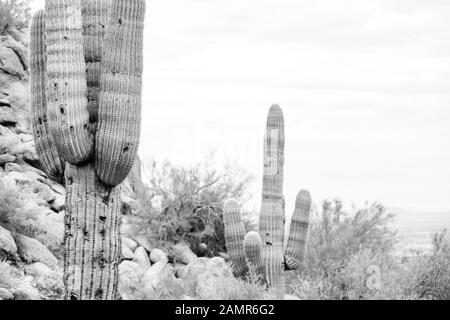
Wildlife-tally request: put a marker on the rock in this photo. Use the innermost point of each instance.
(131, 244)
(291, 297)
(181, 271)
(127, 254)
(194, 270)
(39, 270)
(159, 272)
(59, 203)
(130, 279)
(204, 276)
(143, 242)
(157, 255)
(141, 258)
(7, 243)
(6, 158)
(218, 266)
(13, 167)
(209, 283)
(6, 294)
(26, 292)
(183, 254)
(31, 250)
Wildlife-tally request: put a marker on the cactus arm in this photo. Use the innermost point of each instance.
(66, 86)
(45, 147)
(95, 19)
(234, 237)
(252, 248)
(298, 235)
(92, 236)
(119, 114)
(271, 226)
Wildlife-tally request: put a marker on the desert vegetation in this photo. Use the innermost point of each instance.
(77, 221)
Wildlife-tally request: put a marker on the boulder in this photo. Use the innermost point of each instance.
(26, 292)
(130, 280)
(59, 203)
(6, 158)
(31, 250)
(127, 254)
(157, 255)
(131, 244)
(208, 276)
(143, 242)
(182, 253)
(141, 258)
(6, 294)
(7, 243)
(159, 272)
(181, 270)
(39, 270)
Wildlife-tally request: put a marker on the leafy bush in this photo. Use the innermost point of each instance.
(14, 13)
(341, 247)
(186, 203)
(335, 236)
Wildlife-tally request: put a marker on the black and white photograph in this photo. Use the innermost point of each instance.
(210, 151)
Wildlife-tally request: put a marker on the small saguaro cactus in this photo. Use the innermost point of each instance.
(83, 94)
(298, 235)
(265, 250)
(234, 236)
(252, 248)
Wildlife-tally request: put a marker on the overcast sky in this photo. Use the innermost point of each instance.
(364, 85)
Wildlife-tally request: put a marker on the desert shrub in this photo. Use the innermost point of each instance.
(186, 205)
(341, 246)
(433, 272)
(336, 235)
(14, 13)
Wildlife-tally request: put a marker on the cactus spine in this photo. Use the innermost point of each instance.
(234, 237)
(77, 77)
(265, 250)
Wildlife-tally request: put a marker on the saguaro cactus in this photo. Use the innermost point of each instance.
(79, 78)
(298, 235)
(45, 145)
(66, 86)
(253, 248)
(234, 236)
(265, 250)
(271, 226)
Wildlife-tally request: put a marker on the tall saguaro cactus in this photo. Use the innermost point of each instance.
(265, 250)
(271, 227)
(82, 98)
